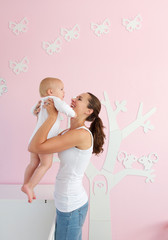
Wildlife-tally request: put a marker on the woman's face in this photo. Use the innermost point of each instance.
(80, 103)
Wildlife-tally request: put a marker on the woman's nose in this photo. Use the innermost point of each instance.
(73, 99)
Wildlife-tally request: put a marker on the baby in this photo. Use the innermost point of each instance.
(39, 163)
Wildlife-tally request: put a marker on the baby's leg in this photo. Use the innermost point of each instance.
(34, 162)
(45, 164)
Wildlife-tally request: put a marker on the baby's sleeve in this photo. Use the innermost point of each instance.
(63, 107)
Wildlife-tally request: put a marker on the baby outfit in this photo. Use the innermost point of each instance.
(69, 192)
(61, 107)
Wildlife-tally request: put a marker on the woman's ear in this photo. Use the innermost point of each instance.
(49, 92)
(89, 111)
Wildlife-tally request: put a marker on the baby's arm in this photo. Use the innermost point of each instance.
(63, 107)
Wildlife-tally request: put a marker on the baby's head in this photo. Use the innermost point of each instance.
(52, 87)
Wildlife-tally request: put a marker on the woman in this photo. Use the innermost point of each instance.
(75, 147)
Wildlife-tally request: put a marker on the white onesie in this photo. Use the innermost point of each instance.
(61, 106)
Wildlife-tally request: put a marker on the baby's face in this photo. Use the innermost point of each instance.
(58, 90)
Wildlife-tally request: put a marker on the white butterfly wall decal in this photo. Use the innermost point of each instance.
(20, 27)
(70, 34)
(134, 24)
(19, 67)
(52, 47)
(147, 126)
(3, 87)
(99, 29)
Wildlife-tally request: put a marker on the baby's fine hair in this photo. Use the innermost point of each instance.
(47, 83)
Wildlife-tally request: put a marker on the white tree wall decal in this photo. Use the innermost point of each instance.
(100, 217)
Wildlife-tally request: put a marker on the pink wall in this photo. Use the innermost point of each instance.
(128, 66)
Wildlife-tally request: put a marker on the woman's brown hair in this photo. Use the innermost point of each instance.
(96, 127)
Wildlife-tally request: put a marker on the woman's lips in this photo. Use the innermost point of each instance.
(72, 105)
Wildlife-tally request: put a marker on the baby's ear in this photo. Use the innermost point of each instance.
(49, 92)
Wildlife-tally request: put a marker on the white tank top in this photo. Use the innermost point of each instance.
(69, 191)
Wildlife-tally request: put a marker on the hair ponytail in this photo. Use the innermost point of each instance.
(96, 126)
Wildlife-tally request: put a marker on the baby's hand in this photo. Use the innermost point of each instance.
(75, 115)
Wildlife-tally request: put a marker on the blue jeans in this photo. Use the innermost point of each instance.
(69, 224)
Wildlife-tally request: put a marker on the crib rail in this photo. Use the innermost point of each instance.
(52, 231)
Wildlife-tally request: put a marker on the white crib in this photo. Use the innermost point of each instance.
(52, 231)
(21, 220)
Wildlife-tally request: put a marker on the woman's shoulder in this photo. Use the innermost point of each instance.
(85, 137)
(64, 131)
(80, 137)
(80, 132)
(84, 132)
(84, 129)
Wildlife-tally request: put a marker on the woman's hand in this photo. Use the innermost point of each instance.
(49, 106)
(37, 109)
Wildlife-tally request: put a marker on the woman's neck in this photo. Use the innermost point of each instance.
(75, 123)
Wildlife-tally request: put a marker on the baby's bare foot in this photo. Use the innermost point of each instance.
(26, 189)
(34, 196)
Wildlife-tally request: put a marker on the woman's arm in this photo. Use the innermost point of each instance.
(72, 138)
